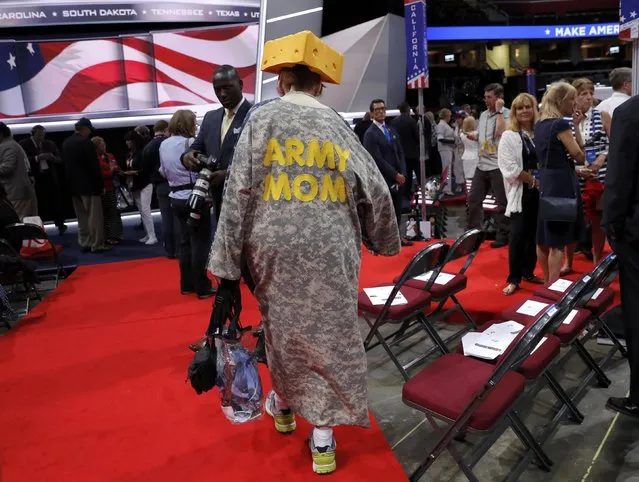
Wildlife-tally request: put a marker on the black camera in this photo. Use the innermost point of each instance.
(200, 197)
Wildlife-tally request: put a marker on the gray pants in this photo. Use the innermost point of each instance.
(88, 210)
(483, 183)
(25, 207)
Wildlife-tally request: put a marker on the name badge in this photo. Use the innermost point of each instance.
(489, 148)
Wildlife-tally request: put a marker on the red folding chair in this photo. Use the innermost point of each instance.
(574, 331)
(418, 301)
(475, 397)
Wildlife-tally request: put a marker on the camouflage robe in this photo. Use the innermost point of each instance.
(301, 193)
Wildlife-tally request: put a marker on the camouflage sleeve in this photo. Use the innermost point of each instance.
(226, 251)
(380, 233)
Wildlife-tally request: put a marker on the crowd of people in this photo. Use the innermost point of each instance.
(281, 205)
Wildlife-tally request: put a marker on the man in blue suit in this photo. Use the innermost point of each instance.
(382, 142)
(220, 129)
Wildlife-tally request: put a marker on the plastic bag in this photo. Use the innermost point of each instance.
(239, 382)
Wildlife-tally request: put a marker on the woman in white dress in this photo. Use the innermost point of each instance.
(470, 139)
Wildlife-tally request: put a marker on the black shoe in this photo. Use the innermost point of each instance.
(499, 243)
(624, 406)
(186, 292)
(62, 229)
(208, 294)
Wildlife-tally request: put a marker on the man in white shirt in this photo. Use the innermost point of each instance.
(488, 177)
(621, 82)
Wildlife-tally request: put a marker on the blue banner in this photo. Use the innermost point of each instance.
(416, 44)
(523, 32)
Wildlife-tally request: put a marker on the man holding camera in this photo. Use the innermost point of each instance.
(220, 130)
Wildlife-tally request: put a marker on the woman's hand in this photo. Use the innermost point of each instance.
(585, 173)
(599, 162)
(578, 117)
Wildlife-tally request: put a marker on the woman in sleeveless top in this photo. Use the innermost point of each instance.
(517, 160)
(558, 149)
(594, 135)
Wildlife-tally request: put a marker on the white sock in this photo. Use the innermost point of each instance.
(322, 437)
(279, 403)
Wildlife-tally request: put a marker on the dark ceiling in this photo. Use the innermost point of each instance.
(474, 12)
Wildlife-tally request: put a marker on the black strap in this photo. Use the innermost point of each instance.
(182, 187)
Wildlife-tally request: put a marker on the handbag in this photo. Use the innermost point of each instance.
(555, 208)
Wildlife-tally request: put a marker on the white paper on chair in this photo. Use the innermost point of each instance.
(442, 278)
(532, 308)
(597, 293)
(491, 343)
(560, 285)
(570, 317)
(538, 345)
(380, 294)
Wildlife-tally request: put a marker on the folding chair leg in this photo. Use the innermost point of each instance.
(469, 320)
(604, 381)
(563, 397)
(432, 332)
(606, 329)
(526, 437)
(392, 356)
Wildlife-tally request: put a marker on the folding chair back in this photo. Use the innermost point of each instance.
(429, 260)
(24, 231)
(606, 271)
(467, 245)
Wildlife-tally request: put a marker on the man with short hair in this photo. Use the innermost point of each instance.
(220, 129)
(151, 157)
(85, 186)
(488, 177)
(408, 132)
(44, 159)
(621, 82)
(382, 143)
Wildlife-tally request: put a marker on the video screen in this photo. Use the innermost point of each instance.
(29, 13)
(122, 75)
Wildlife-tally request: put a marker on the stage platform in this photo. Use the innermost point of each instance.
(93, 388)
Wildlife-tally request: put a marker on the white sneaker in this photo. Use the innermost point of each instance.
(151, 241)
(144, 239)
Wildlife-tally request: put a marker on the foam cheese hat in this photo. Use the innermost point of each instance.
(303, 48)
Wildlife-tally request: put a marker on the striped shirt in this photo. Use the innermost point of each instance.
(594, 137)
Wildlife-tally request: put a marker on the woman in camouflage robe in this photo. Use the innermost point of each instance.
(302, 196)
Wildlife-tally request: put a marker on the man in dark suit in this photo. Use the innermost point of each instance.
(86, 186)
(220, 129)
(408, 132)
(382, 142)
(44, 160)
(621, 223)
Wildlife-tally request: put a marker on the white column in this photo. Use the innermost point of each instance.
(277, 19)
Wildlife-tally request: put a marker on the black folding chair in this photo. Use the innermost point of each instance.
(428, 260)
(18, 232)
(17, 278)
(472, 396)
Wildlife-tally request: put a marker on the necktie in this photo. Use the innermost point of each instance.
(387, 133)
(226, 122)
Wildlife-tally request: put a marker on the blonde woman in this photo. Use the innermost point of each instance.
(517, 159)
(446, 147)
(558, 150)
(470, 139)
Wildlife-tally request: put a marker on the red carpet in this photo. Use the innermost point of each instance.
(92, 385)
(92, 388)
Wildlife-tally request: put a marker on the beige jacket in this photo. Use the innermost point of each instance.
(14, 175)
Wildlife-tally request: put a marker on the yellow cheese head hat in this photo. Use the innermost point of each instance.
(303, 48)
